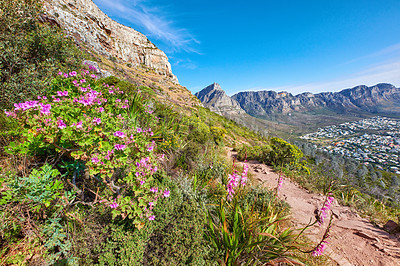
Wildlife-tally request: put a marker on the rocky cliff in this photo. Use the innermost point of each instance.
(381, 98)
(304, 112)
(215, 98)
(88, 24)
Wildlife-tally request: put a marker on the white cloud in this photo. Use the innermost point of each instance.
(388, 72)
(385, 71)
(153, 20)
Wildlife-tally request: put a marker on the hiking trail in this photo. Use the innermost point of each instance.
(353, 240)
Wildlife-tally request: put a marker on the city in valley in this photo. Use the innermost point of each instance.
(371, 141)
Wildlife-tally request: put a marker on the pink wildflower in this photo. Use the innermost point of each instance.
(45, 108)
(119, 134)
(61, 124)
(154, 189)
(319, 249)
(166, 193)
(114, 205)
(119, 146)
(280, 182)
(79, 124)
(97, 121)
(95, 160)
(151, 218)
(139, 130)
(325, 209)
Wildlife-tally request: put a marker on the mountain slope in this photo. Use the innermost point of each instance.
(308, 111)
(360, 99)
(215, 98)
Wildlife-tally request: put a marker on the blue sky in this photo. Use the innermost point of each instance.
(295, 46)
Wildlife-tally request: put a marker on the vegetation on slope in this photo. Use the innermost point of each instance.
(99, 171)
(374, 193)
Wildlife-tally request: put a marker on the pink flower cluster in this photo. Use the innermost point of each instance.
(120, 134)
(325, 209)
(112, 89)
(145, 167)
(319, 250)
(235, 179)
(280, 182)
(114, 205)
(91, 98)
(62, 93)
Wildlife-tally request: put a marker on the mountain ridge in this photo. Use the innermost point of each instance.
(308, 110)
(357, 99)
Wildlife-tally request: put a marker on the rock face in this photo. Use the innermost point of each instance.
(381, 98)
(215, 98)
(88, 24)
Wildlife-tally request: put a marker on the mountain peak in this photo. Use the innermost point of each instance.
(215, 98)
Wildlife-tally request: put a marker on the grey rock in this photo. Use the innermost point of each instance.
(360, 99)
(95, 67)
(85, 22)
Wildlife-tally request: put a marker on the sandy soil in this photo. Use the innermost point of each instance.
(353, 240)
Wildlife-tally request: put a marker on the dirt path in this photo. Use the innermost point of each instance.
(353, 240)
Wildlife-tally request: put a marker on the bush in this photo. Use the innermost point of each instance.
(93, 125)
(198, 131)
(218, 134)
(30, 52)
(175, 237)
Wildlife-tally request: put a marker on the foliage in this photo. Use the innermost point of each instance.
(284, 153)
(242, 234)
(198, 131)
(39, 190)
(174, 238)
(260, 153)
(277, 152)
(30, 52)
(94, 124)
(218, 134)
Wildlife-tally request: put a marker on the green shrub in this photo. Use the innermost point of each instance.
(30, 52)
(218, 134)
(198, 131)
(175, 237)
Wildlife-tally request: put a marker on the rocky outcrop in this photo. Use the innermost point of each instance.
(215, 98)
(360, 99)
(83, 20)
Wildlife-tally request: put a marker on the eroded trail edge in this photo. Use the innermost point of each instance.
(353, 240)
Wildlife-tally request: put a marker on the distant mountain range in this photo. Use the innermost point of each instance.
(307, 110)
